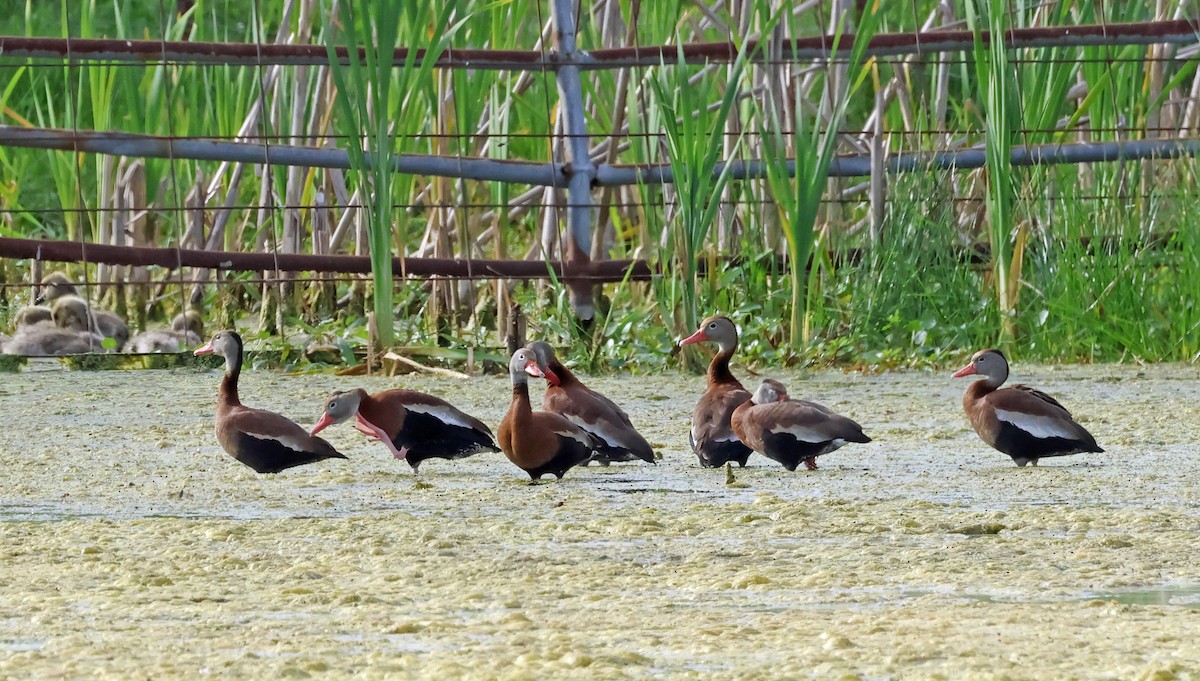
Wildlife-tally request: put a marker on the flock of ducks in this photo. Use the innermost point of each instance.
(61, 322)
(578, 425)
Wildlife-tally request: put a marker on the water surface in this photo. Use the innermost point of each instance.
(133, 546)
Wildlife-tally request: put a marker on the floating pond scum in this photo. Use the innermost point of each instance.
(134, 546)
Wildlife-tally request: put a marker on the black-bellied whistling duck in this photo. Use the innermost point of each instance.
(711, 436)
(790, 431)
(1024, 423)
(263, 440)
(414, 426)
(184, 332)
(108, 324)
(539, 442)
(609, 425)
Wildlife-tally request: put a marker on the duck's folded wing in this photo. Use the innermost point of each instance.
(268, 426)
(1035, 413)
(1034, 392)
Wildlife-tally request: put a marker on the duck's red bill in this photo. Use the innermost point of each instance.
(322, 423)
(965, 371)
(533, 369)
(694, 338)
(206, 349)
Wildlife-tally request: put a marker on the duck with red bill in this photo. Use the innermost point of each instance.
(1022, 422)
(263, 440)
(616, 438)
(711, 436)
(413, 426)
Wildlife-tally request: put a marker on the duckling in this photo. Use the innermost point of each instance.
(56, 286)
(42, 339)
(36, 334)
(185, 331)
(71, 314)
(31, 315)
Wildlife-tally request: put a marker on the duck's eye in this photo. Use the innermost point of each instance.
(712, 325)
(333, 405)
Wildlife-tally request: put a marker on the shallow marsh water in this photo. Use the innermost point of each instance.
(133, 547)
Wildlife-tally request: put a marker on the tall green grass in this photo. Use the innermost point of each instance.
(694, 140)
(812, 146)
(371, 98)
(1095, 262)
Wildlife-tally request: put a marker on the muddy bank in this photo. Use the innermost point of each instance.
(133, 546)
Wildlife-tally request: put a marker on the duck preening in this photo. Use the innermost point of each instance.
(1024, 423)
(791, 431)
(616, 438)
(539, 442)
(412, 425)
(711, 436)
(263, 440)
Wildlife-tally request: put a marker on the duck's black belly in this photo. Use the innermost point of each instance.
(1024, 447)
(428, 437)
(714, 454)
(790, 452)
(571, 453)
(271, 456)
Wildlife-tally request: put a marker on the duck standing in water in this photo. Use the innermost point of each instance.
(711, 436)
(539, 442)
(263, 440)
(414, 426)
(791, 431)
(1024, 423)
(616, 438)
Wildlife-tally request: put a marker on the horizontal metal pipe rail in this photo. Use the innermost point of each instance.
(171, 258)
(152, 146)
(818, 47)
(558, 174)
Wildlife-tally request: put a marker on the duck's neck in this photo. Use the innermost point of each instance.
(520, 408)
(718, 369)
(565, 377)
(978, 390)
(390, 420)
(228, 397)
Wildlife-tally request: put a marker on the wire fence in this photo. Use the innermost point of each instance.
(180, 200)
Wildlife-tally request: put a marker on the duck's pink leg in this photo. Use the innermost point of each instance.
(370, 429)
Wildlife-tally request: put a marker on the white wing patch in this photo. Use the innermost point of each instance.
(597, 429)
(285, 440)
(578, 436)
(1037, 426)
(441, 413)
(802, 434)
